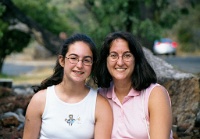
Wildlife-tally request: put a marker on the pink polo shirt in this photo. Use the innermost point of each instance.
(129, 117)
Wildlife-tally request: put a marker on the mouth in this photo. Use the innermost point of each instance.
(120, 69)
(78, 72)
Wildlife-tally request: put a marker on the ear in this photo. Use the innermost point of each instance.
(61, 60)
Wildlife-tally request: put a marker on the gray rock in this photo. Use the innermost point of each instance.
(183, 88)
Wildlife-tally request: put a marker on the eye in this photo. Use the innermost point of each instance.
(113, 55)
(87, 60)
(127, 55)
(73, 58)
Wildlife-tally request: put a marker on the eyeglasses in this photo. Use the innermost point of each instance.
(127, 56)
(87, 61)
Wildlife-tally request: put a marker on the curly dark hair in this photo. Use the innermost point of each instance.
(143, 74)
(57, 76)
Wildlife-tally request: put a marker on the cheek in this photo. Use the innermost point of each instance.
(90, 69)
(132, 66)
(109, 64)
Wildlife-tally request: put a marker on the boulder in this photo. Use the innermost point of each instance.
(184, 91)
(13, 104)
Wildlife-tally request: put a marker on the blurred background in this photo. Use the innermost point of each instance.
(31, 32)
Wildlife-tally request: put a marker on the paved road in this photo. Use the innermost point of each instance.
(23, 67)
(189, 64)
(185, 64)
(15, 69)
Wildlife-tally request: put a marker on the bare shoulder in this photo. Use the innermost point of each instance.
(39, 97)
(159, 97)
(102, 100)
(102, 104)
(103, 118)
(38, 101)
(33, 115)
(160, 113)
(159, 92)
(159, 88)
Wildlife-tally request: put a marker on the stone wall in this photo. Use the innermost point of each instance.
(13, 104)
(184, 91)
(184, 95)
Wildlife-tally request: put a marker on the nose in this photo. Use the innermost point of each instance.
(79, 64)
(120, 60)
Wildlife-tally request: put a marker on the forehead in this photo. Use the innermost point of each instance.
(119, 45)
(80, 48)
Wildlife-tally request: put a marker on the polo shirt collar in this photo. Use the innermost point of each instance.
(111, 93)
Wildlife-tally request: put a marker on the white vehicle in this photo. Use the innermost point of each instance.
(164, 46)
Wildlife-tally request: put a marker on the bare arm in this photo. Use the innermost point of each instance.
(33, 116)
(104, 119)
(160, 114)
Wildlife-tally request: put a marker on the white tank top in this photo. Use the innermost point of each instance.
(62, 120)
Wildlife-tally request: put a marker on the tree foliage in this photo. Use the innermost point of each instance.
(10, 43)
(9, 39)
(188, 35)
(15, 39)
(46, 14)
(3, 25)
(146, 19)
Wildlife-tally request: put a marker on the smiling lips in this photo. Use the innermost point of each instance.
(120, 69)
(78, 72)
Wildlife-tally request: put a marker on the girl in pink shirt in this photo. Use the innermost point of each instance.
(141, 107)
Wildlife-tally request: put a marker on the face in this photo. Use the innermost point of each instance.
(120, 61)
(77, 63)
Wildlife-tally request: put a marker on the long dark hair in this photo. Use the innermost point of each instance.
(143, 74)
(57, 76)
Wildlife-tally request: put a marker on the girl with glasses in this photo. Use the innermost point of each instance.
(141, 107)
(64, 107)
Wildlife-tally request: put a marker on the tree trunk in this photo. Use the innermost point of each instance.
(50, 41)
(1, 63)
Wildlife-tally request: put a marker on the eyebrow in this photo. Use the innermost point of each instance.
(78, 56)
(123, 52)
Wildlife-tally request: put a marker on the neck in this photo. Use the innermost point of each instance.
(71, 93)
(122, 89)
(73, 88)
